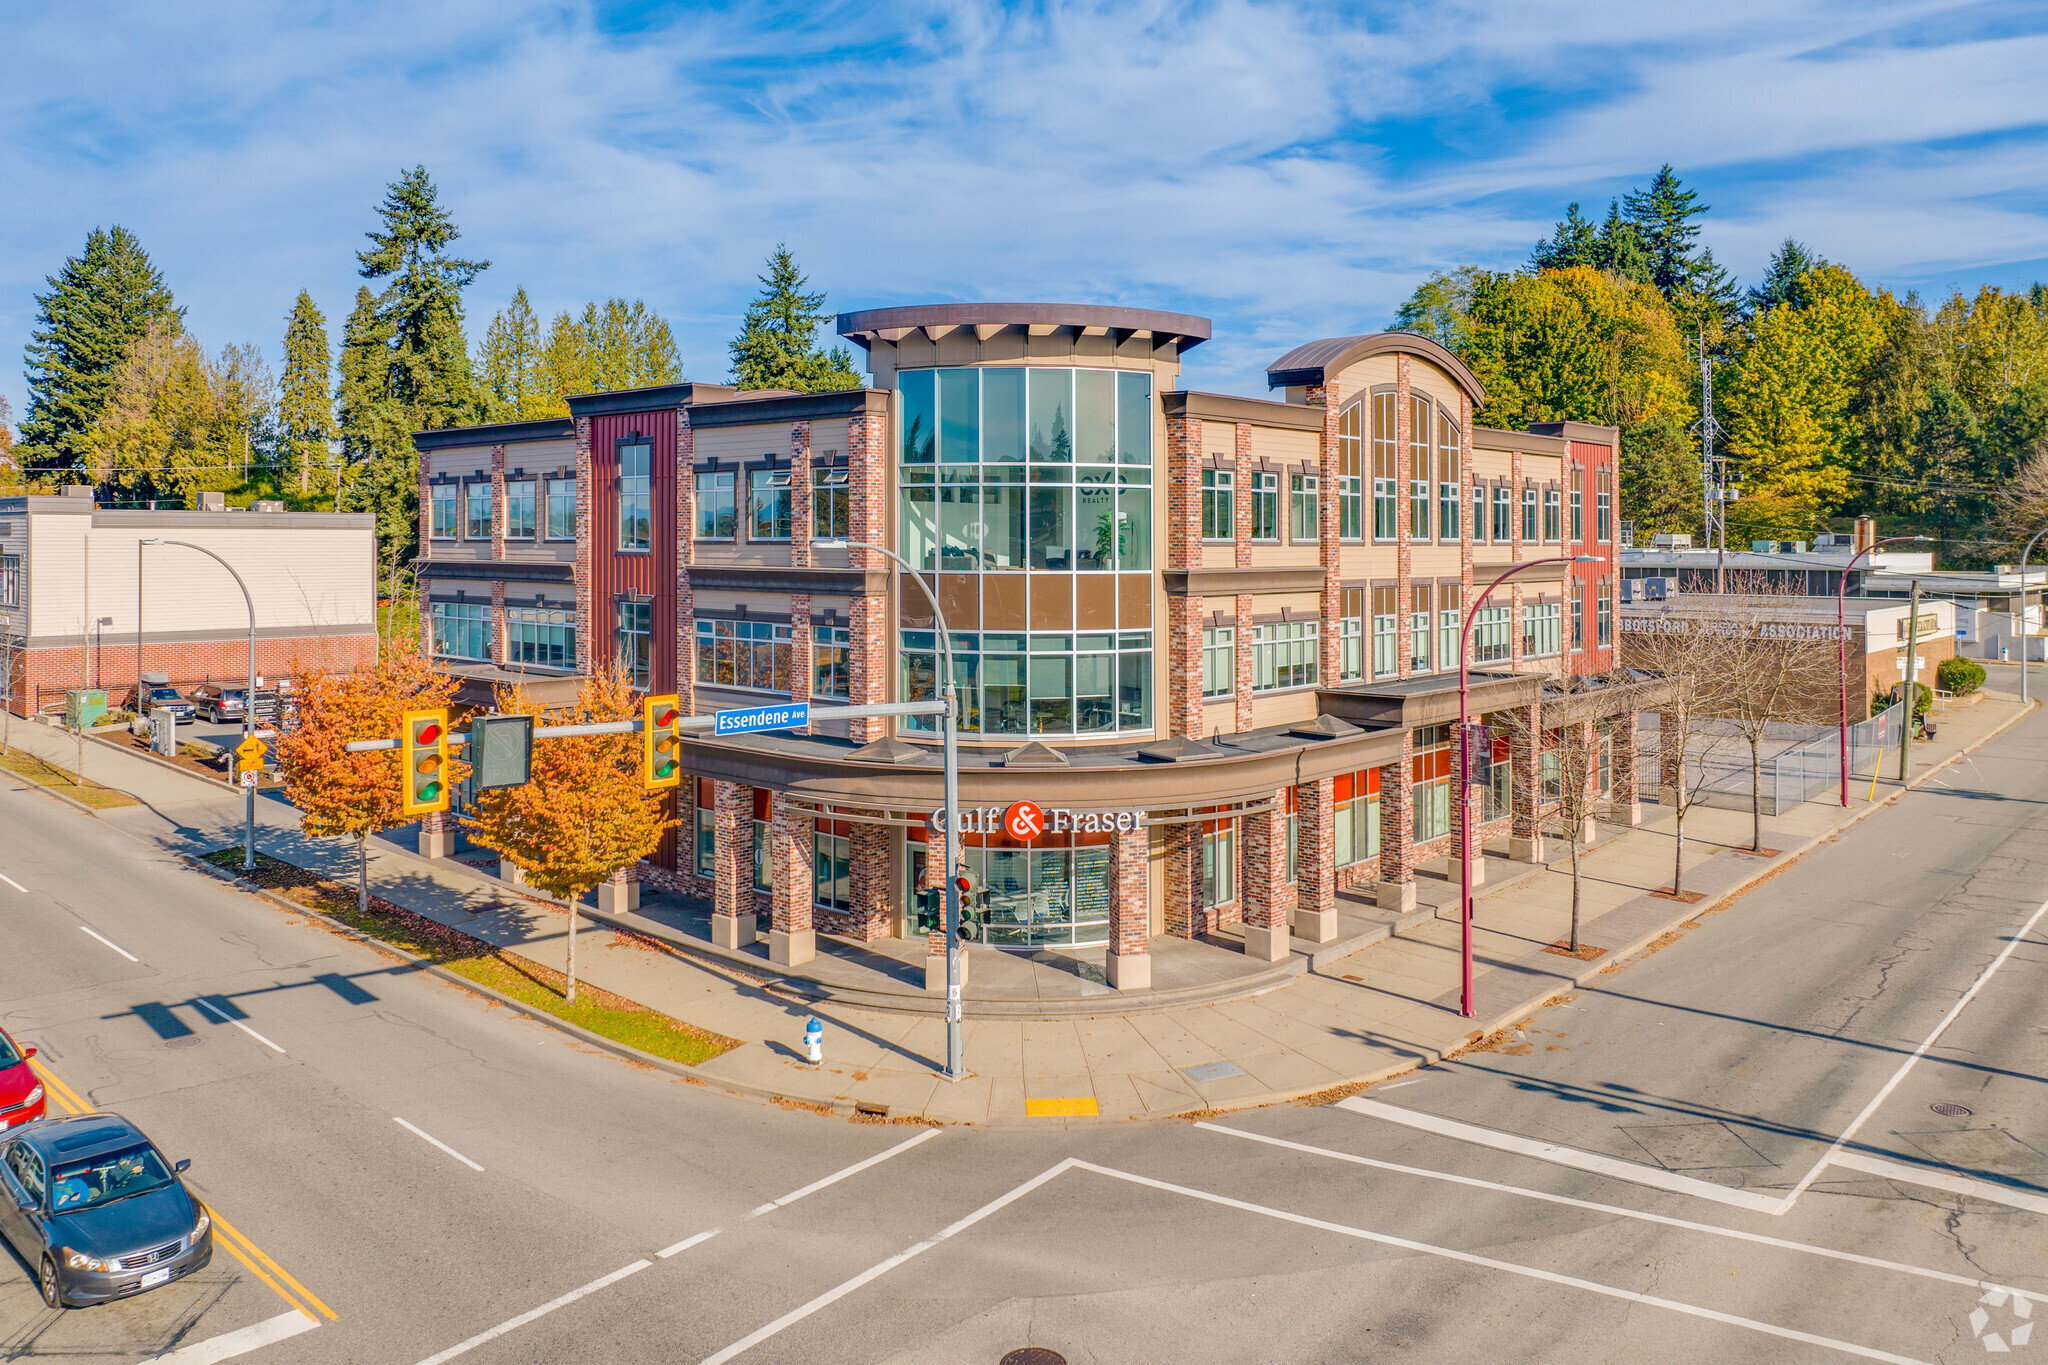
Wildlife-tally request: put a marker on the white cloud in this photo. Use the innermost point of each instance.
(1290, 171)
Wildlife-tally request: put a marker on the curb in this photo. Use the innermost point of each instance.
(1613, 959)
(625, 1051)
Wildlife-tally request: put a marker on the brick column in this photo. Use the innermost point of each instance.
(868, 911)
(1584, 738)
(871, 636)
(1329, 639)
(1185, 917)
(1624, 802)
(1128, 964)
(437, 835)
(500, 647)
(1243, 657)
(686, 545)
(1315, 890)
(1525, 838)
(1184, 676)
(800, 557)
(1241, 497)
(1182, 549)
(1397, 830)
(1264, 893)
(497, 502)
(792, 871)
(1404, 550)
(589, 654)
(732, 865)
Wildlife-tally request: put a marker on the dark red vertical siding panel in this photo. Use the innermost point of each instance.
(614, 574)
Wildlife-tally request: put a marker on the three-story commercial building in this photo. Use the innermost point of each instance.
(1213, 637)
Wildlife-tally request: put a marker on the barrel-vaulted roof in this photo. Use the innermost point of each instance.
(1311, 363)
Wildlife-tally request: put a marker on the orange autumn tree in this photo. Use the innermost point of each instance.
(356, 795)
(584, 815)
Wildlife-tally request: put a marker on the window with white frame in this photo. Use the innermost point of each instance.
(831, 661)
(10, 580)
(1419, 421)
(1219, 661)
(1540, 629)
(1386, 638)
(1419, 622)
(1350, 498)
(1578, 614)
(1578, 507)
(1603, 505)
(476, 505)
(768, 504)
(831, 503)
(1265, 506)
(1351, 635)
(1449, 474)
(1219, 504)
(1357, 811)
(445, 523)
(562, 509)
(1529, 510)
(519, 509)
(1283, 655)
(1490, 635)
(1219, 862)
(462, 630)
(544, 636)
(717, 516)
(1385, 466)
(1503, 514)
(1478, 513)
(636, 496)
(1605, 609)
(1449, 624)
(633, 633)
(1551, 514)
(1430, 775)
(1303, 497)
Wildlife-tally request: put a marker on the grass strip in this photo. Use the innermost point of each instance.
(88, 793)
(610, 1016)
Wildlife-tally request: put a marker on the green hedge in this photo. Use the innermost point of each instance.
(1959, 675)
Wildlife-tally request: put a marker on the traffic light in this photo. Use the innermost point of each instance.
(661, 742)
(423, 745)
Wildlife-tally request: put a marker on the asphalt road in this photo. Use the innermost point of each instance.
(1695, 1201)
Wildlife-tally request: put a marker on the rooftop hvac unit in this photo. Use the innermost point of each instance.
(1671, 540)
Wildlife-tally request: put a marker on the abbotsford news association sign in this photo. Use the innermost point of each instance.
(1763, 630)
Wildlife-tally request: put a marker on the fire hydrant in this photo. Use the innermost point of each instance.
(814, 1041)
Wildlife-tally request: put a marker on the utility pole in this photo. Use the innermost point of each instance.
(1713, 494)
(1912, 690)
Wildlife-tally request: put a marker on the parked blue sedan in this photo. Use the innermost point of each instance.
(98, 1213)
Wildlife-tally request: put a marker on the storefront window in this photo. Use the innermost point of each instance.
(1430, 774)
(462, 630)
(1357, 797)
(750, 654)
(545, 636)
(1055, 893)
(832, 859)
(1219, 862)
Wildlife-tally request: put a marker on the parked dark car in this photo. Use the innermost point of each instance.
(97, 1212)
(156, 698)
(21, 1094)
(223, 702)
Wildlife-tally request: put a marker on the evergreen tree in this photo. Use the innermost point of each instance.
(777, 348)
(1439, 307)
(1663, 216)
(510, 363)
(1780, 284)
(1619, 249)
(375, 437)
(1572, 242)
(100, 303)
(424, 380)
(305, 415)
(566, 362)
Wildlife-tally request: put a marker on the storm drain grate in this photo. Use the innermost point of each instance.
(1948, 1109)
(1034, 1355)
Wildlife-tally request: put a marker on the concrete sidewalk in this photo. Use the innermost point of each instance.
(1381, 1009)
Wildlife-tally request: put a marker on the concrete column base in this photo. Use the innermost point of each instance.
(792, 949)
(438, 844)
(733, 931)
(1626, 814)
(1526, 850)
(512, 872)
(615, 899)
(1128, 971)
(1396, 896)
(1266, 945)
(1590, 832)
(1317, 926)
(935, 971)
(1478, 868)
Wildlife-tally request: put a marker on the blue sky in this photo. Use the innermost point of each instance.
(1289, 171)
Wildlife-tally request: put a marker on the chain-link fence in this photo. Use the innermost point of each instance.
(1798, 762)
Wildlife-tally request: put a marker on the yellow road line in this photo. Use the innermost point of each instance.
(235, 1234)
(68, 1097)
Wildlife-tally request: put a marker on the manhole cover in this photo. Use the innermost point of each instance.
(1034, 1355)
(193, 1041)
(1950, 1110)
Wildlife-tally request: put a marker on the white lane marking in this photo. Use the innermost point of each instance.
(1944, 1180)
(837, 1176)
(13, 883)
(687, 1243)
(110, 943)
(436, 1141)
(513, 1324)
(1953, 1013)
(1396, 1085)
(241, 1341)
(1529, 1272)
(1616, 1210)
(1632, 1171)
(833, 1295)
(237, 1023)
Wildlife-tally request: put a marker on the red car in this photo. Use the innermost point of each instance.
(21, 1094)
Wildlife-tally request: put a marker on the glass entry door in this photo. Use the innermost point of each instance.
(1042, 897)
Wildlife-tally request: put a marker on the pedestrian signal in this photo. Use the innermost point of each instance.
(661, 742)
(424, 748)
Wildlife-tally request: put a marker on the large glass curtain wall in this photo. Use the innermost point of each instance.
(1028, 491)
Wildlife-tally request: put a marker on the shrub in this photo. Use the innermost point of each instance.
(1923, 699)
(1959, 675)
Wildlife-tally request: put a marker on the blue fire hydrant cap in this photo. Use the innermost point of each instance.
(814, 1026)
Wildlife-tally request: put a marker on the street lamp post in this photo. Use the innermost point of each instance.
(248, 698)
(2026, 622)
(1842, 647)
(1466, 1004)
(950, 847)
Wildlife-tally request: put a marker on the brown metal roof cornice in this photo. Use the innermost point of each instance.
(787, 407)
(653, 398)
(494, 434)
(780, 578)
(890, 325)
(1230, 407)
(1527, 442)
(1312, 363)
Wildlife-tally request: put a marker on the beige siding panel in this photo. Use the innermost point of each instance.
(1220, 438)
(1219, 554)
(1288, 708)
(828, 436)
(56, 574)
(1366, 374)
(541, 457)
(461, 461)
(1284, 446)
(736, 445)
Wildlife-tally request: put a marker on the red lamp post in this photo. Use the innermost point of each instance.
(1466, 1004)
(1842, 650)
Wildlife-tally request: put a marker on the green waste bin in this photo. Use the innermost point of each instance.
(84, 707)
